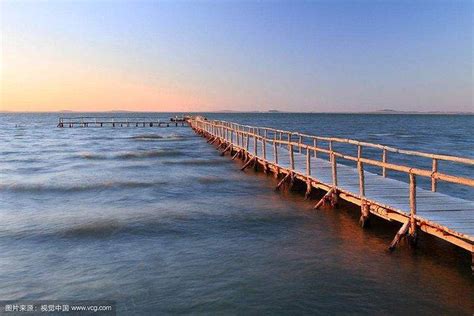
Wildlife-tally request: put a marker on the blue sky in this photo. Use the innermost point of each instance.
(238, 55)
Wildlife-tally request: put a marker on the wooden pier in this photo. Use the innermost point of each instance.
(293, 156)
(107, 121)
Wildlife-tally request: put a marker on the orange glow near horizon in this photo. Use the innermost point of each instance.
(57, 86)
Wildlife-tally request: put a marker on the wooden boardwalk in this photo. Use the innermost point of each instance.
(107, 121)
(298, 157)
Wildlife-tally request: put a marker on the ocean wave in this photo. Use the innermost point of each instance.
(98, 228)
(383, 134)
(94, 229)
(196, 162)
(109, 228)
(75, 187)
(148, 154)
(147, 136)
(131, 154)
(92, 156)
(155, 137)
(210, 179)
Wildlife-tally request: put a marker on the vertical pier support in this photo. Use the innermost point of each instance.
(402, 232)
(334, 198)
(364, 214)
(412, 234)
(434, 169)
(285, 178)
(324, 199)
(292, 180)
(309, 188)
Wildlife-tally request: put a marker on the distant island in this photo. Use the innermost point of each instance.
(390, 111)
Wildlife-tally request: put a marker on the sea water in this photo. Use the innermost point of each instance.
(156, 220)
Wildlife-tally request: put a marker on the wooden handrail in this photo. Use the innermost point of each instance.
(463, 160)
(434, 174)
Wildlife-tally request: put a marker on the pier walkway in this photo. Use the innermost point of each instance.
(293, 156)
(107, 121)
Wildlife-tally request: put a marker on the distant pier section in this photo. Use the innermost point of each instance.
(108, 121)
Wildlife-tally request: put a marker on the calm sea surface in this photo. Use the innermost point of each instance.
(155, 219)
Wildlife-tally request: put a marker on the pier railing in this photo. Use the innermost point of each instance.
(100, 121)
(242, 135)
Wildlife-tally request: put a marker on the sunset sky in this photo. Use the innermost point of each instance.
(236, 55)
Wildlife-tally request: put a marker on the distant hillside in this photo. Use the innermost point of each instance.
(390, 111)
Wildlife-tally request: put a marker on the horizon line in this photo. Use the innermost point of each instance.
(261, 112)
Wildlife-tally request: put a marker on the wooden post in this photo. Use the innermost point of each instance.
(248, 163)
(289, 140)
(324, 199)
(330, 149)
(264, 149)
(360, 168)
(247, 142)
(412, 230)
(308, 162)
(288, 175)
(300, 139)
(334, 169)
(434, 169)
(384, 160)
(315, 144)
(364, 214)
(255, 145)
(236, 154)
(275, 153)
(398, 236)
(292, 157)
(229, 147)
(309, 186)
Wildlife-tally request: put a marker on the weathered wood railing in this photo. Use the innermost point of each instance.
(242, 135)
(100, 121)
